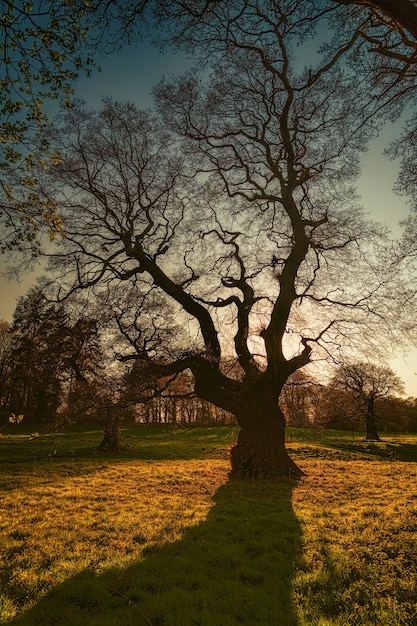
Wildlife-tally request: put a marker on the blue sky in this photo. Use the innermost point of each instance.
(131, 75)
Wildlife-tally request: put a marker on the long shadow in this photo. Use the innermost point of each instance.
(234, 568)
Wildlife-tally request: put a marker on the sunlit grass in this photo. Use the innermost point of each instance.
(359, 557)
(110, 516)
(158, 535)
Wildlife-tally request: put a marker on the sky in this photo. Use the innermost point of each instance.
(132, 73)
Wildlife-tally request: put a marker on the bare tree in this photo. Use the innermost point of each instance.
(236, 204)
(368, 383)
(388, 29)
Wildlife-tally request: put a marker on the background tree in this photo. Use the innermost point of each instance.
(412, 414)
(109, 413)
(83, 358)
(367, 383)
(237, 207)
(6, 345)
(394, 414)
(338, 408)
(35, 386)
(46, 356)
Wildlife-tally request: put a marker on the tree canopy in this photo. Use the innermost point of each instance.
(41, 54)
(45, 45)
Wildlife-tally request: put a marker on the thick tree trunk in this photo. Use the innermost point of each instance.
(110, 440)
(260, 451)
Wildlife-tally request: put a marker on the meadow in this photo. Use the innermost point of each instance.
(158, 535)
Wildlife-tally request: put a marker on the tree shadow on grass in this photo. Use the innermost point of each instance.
(234, 568)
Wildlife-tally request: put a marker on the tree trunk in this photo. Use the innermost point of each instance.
(110, 440)
(371, 429)
(260, 451)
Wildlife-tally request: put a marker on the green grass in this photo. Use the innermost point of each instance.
(159, 535)
(137, 443)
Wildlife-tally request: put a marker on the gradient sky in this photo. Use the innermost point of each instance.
(131, 74)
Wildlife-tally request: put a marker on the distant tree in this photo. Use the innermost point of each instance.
(84, 366)
(6, 345)
(50, 357)
(412, 414)
(35, 383)
(394, 413)
(367, 384)
(109, 412)
(338, 408)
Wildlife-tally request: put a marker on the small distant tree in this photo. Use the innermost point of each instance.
(109, 412)
(366, 383)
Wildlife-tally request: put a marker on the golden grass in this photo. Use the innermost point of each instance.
(349, 530)
(52, 529)
(359, 538)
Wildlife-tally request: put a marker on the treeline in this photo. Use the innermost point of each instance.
(308, 403)
(57, 367)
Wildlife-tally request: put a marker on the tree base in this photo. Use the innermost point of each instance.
(249, 463)
(106, 446)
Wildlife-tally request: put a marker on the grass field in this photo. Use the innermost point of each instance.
(159, 535)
